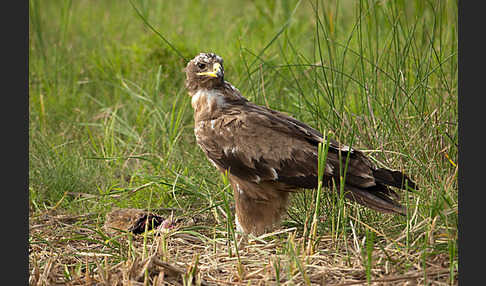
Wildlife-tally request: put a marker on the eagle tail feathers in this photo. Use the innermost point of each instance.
(380, 197)
(377, 197)
(393, 178)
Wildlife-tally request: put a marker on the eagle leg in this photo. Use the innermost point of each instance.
(258, 207)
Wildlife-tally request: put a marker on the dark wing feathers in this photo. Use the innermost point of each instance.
(265, 145)
(288, 125)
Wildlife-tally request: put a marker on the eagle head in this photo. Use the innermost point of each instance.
(204, 71)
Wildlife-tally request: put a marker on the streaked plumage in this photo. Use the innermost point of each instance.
(270, 154)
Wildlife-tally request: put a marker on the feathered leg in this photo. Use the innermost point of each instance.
(258, 206)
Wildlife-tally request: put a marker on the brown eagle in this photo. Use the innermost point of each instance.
(269, 154)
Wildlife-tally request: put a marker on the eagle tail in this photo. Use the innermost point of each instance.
(393, 178)
(380, 197)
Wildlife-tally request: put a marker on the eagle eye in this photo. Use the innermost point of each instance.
(201, 66)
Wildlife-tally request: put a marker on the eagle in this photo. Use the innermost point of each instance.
(268, 154)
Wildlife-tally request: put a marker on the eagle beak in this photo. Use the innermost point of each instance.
(217, 71)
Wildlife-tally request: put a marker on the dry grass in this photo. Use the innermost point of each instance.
(74, 250)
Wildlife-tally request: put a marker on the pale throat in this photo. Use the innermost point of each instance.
(207, 101)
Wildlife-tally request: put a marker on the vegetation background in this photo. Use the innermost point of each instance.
(110, 126)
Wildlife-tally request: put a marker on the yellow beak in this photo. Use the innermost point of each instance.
(215, 73)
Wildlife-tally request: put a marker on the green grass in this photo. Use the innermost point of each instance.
(109, 115)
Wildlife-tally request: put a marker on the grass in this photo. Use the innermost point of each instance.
(110, 125)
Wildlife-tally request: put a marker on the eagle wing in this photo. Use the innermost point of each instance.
(258, 144)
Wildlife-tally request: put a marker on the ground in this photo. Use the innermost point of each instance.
(75, 251)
